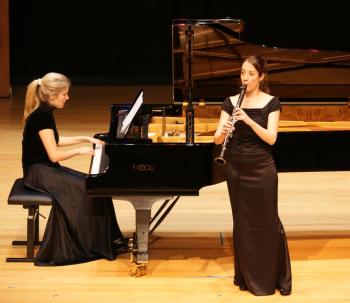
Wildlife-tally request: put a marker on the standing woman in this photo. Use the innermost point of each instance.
(79, 228)
(261, 257)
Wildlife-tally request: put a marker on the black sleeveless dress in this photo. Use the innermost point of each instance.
(261, 257)
(79, 228)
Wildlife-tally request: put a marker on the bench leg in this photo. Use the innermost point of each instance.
(32, 235)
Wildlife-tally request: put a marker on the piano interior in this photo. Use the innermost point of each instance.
(313, 85)
(205, 128)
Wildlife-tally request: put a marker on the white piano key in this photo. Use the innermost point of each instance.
(95, 168)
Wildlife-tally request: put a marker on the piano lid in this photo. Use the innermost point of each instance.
(295, 75)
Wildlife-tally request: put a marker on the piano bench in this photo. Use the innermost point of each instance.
(30, 199)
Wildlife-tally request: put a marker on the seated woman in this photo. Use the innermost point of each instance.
(79, 228)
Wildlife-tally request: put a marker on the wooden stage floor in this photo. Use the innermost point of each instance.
(190, 253)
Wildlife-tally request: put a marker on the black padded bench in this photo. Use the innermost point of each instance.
(31, 200)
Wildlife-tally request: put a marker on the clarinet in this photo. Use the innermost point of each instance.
(220, 159)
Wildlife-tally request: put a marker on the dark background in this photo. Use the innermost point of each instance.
(129, 42)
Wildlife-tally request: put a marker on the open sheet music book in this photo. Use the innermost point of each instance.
(130, 116)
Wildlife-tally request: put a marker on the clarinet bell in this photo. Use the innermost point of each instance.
(220, 160)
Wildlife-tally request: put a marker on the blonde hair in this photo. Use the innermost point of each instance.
(39, 90)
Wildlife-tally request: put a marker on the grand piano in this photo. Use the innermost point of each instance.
(131, 167)
(168, 150)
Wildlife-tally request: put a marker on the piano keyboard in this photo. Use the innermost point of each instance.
(99, 161)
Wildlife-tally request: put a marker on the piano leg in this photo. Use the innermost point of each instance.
(143, 219)
(139, 252)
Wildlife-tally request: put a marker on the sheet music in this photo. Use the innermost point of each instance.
(95, 168)
(128, 119)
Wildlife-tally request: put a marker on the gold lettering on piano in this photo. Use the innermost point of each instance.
(143, 167)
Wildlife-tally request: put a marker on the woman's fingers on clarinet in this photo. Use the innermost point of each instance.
(228, 124)
(240, 116)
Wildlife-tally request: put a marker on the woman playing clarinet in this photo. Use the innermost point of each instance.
(261, 257)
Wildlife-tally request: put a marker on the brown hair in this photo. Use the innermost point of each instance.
(260, 65)
(39, 90)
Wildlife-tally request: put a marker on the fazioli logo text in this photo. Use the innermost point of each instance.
(143, 167)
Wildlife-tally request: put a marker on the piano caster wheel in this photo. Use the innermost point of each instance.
(137, 270)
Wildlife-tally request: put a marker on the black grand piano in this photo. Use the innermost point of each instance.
(130, 166)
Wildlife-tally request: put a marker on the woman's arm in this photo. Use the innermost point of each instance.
(56, 155)
(269, 134)
(67, 141)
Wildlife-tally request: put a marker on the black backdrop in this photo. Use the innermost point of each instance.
(122, 42)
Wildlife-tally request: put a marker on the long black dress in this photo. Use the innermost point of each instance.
(79, 228)
(261, 257)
